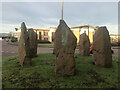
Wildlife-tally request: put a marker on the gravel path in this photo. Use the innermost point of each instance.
(12, 50)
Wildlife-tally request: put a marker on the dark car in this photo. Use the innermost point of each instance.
(91, 49)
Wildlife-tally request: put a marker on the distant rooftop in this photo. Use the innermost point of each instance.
(114, 34)
(81, 26)
(72, 27)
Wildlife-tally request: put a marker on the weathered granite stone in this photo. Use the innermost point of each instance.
(102, 48)
(32, 42)
(84, 45)
(23, 47)
(64, 45)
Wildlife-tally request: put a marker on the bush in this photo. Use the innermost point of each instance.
(14, 39)
(115, 44)
(43, 41)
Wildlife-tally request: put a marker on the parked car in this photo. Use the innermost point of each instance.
(91, 49)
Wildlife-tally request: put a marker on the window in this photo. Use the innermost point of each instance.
(46, 39)
(53, 34)
(45, 33)
(40, 36)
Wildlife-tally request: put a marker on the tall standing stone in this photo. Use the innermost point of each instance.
(102, 48)
(84, 45)
(23, 47)
(64, 45)
(32, 42)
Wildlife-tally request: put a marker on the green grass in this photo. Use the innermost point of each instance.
(39, 44)
(46, 44)
(41, 74)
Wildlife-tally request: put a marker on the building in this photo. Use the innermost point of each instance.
(115, 38)
(77, 30)
(3, 35)
(48, 34)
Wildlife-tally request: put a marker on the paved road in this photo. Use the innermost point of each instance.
(8, 50)
(12, 50)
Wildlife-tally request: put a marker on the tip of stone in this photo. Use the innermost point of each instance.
(30, 29)
(103, 27)
(23, 27)
(62, 21)
(23, 24)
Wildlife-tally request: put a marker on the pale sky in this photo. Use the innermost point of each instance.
(48, 14)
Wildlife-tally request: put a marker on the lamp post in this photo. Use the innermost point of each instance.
(62, 11)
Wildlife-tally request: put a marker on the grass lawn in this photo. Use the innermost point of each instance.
(41, 74)
(46, 44)
(39, 44)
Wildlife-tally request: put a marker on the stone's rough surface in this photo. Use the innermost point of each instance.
(84, 45)
(23, 47)
(102, 48)
(64, 48)
(32, 43)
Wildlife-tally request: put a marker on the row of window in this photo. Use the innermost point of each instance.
(46, 39)
(45, 34)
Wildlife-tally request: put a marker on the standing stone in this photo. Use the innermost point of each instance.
(102, 48)
(33, 42)
(64, 45)
(23, 47)
(84, 45)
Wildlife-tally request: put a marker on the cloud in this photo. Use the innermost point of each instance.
(8, 28)
(59, 0)
(47, 14)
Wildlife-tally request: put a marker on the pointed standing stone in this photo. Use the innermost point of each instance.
(84, 45)
(102, 48)
(33, 42)
(64, 45)
(23, 47)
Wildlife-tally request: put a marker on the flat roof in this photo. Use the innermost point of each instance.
(114, 34)
(72, 27)
(81, 26)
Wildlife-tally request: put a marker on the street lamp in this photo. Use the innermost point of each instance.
(62, 11)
